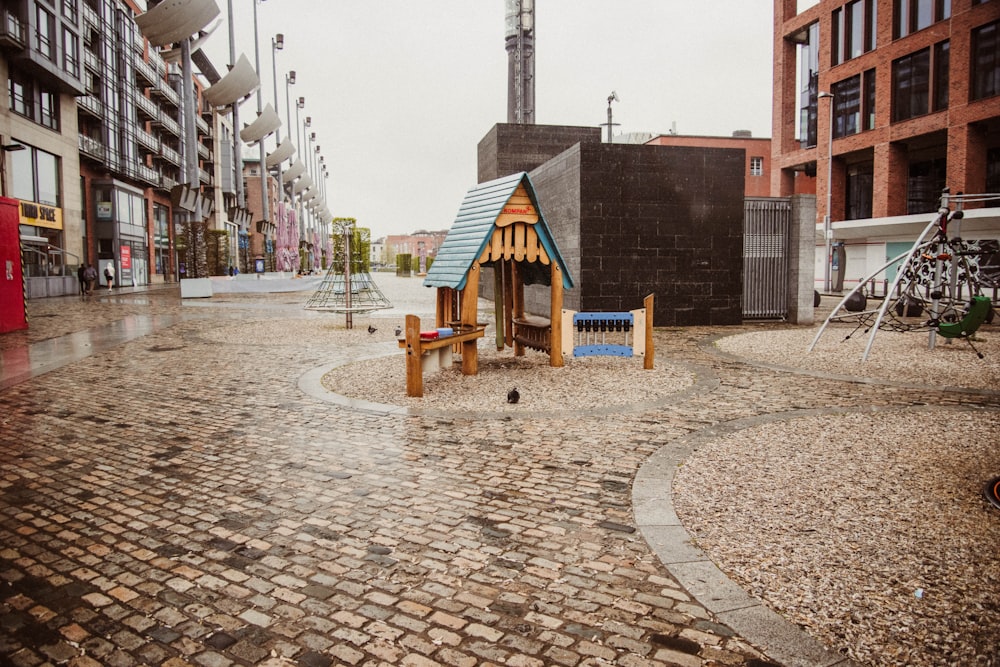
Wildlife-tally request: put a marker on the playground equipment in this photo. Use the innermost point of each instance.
(348, 287)
(939, 277)
(630, 333)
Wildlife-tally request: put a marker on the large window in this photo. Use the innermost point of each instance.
(913, 15)
(918, 85)
(44, 33)
(32, 101)
(860, 185)
(985, 61)
(34, 176)
(853, 30)
(808, 85)
(924, 185)
(854, 104)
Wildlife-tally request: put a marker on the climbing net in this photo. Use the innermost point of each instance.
(938, 286)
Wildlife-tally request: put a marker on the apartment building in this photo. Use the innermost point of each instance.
(887, 102)
(98, 113)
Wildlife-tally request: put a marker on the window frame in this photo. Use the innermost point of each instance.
(984, 84)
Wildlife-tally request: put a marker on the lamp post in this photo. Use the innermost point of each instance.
(613, 97)
(827, 224)
(280, 215)
(6, 148)
(265, 209)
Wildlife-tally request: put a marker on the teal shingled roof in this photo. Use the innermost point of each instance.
(473, 229)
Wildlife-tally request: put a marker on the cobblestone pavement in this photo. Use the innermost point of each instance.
(167, 500)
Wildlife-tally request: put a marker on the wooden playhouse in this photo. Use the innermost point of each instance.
(499, 225)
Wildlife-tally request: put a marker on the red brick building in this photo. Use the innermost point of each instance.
(906, 94)
(758, 158)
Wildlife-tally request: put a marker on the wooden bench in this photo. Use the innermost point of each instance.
(533, 332)
(433, 354)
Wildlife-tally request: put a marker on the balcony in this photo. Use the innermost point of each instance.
(201, 125)
(91, 17)
(203, 152)
(147, 174)
(12, 31)
(89, 104)
(204, 177)
(91, 148)
(157, 62)
(146, 72)
(167, 182)
(91, 61)
(146, 107)
(163, 90)
(170, 155)
(168, 123)
(147, 140)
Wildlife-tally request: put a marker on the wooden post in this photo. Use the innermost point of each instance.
(414, 373)
(508, 302)
(647, 362)
(555, 318)
(470, 315)
(517, 302)
(498, 303)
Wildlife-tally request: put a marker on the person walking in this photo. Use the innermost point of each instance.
(90, 277)
(109, 274)
(83, 281)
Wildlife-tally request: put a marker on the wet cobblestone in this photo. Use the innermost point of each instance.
(175, 501)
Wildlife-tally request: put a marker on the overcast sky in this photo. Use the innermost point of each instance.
(401, 92)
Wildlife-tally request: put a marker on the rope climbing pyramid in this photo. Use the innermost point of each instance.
(342, 292)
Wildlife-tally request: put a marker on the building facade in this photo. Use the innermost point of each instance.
(93, 132)
(887, 102)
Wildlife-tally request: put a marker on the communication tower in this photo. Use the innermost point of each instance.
(520, 43)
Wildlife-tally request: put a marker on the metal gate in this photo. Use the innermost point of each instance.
(765, 257)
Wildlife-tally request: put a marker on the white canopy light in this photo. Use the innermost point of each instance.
(238, 82)
(293, 172)
(176, 20)
(303, 183)
(280, 154)
(265, 125)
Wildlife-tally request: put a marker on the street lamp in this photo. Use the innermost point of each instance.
(827, 224)
(6, 148)
(613, 97)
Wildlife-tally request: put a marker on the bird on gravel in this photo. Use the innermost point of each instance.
(399, 330)
(371, 329)
(513, 396)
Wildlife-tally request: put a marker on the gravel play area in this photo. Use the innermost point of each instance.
(870, 530)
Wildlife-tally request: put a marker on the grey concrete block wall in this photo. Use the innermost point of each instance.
(632, 220)
(509, 148)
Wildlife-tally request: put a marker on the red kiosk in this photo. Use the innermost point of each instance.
(13, 308)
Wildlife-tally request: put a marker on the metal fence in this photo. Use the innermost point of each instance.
(765, 257)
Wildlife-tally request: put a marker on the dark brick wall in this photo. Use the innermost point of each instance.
(632, 220)
(509, 148)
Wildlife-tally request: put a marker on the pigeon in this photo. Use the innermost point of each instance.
(513, 396)
(371, 329)
(399, 330)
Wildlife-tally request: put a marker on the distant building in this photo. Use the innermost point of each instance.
(757, 182)
(415, 243)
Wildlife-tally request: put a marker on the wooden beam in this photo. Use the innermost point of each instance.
(647, 362)
(517, 290)
(555, 317)
(470, 315)
(414, 372)
(508, 303)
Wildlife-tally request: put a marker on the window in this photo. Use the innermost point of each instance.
(70, 10)
(34, 176)
(71, 52)
(808, 85)
(854, 104)
(913, 15)
(33, 102)
(868, 108)
(942, 61)
(992, 175)
(43, 33)
(924, 185)
(756, 166)
(846, 106)
(985, 61)
(853, 30)
(860, 185)
(911, 85)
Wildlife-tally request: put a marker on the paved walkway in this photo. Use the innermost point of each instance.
(169, 500)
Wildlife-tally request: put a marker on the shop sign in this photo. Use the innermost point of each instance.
(40, 215)
(104, 210)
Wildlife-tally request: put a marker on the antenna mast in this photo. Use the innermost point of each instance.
(520, 44)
